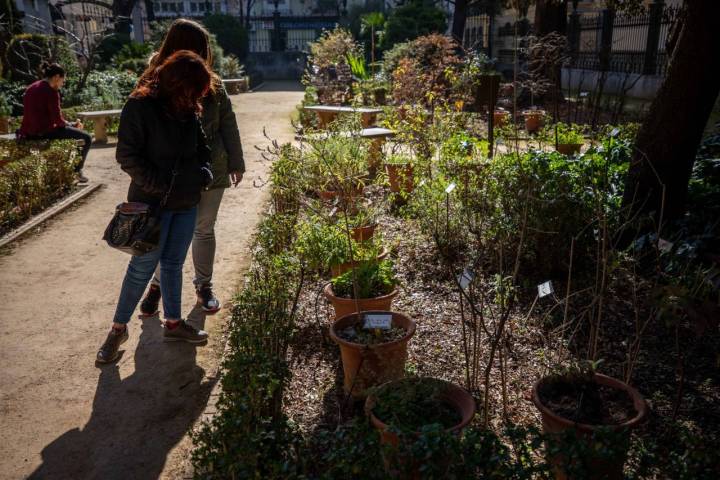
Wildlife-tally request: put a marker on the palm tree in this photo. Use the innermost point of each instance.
(372, 21)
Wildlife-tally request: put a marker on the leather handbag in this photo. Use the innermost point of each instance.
(135, 227)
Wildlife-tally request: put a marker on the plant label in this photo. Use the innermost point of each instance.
(450, 188)
(382, 321)
(333, 211)
(545, 289)
(614, 132)
(465, 278)
(422, 183)
(664, 246)
(584, 94)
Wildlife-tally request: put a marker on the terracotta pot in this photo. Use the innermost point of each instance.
(401, 177)
(500, 117)
(4, 125)
(345, 306)
(361, 234)
(339, 269)
(365, 366)
(569, 148)
(456, 396)
(534, 120)
(331, 195)
(610, 469)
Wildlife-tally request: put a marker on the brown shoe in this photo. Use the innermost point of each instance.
(184, 332)
(110, 349)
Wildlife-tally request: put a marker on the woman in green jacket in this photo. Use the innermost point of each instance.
(228, 166)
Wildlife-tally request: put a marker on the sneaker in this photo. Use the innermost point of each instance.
(110, 349)
(184, 332)
(82, 178)
(207, 300)
(149, 305)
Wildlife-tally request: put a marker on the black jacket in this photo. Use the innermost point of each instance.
(151, 143)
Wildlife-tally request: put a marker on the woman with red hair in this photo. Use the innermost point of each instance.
(161, 145)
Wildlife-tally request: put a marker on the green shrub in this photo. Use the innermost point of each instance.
(229, 32)
(415, 19)
(103, 90)
(38, 173)
(374, 279)
(27, 51)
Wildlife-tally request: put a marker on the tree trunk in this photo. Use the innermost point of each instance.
(550, 16)
(668, 139)
(459, 18)
(122, 13)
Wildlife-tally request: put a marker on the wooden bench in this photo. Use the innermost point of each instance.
(328, 113)
(100, 119)
(236, 85)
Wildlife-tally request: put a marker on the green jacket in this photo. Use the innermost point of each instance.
(223, 137)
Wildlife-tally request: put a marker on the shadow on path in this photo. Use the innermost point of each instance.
(137, 420)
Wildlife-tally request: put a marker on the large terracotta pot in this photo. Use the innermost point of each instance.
(500, 117)
(339, 269)
(569, 148)
(602, 468)
(4, 125)
(534, 120)
(361, 234)
(401, 177)
(380, 95)
(344, 306)
(454, 395)
(366, 366)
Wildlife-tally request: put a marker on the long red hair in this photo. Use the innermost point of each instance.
(182, 80)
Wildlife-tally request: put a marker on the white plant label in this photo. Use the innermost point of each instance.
(333, 212)
(583, 94)
(422, 183)
(614, 132)
(545, 289)
(465, 278)
(450, 188)
(664, 246)
(382, 321)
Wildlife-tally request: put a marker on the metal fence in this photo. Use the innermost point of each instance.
(286, 34)
(622, 42)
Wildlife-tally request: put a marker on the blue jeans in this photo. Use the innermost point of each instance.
(176, 234)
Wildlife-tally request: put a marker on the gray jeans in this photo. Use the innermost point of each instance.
(203, 242)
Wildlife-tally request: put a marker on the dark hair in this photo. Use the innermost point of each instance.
(183, 34)
(49, 70)
(182, 80)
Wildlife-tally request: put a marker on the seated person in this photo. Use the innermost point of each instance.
(42, 118)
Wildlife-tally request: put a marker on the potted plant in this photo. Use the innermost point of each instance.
(375, 283)
(584, 403)
(568, 138)
(361, 252)
(371, 356)
(400, 172)
(500, 117)
(534, 119)
(363, 225)
(406, 406)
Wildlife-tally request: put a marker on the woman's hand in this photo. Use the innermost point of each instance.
(236, 178)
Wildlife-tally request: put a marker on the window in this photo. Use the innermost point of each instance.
(165, 7)
(181, 7)
(193, 7)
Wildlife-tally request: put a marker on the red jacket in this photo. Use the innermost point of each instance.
(41, 110)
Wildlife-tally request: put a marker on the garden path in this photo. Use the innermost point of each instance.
(61, 416)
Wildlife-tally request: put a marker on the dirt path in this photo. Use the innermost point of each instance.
(60, 415)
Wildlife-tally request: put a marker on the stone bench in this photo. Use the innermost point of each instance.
(100, 119)
(328, 113)
(236, 85)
